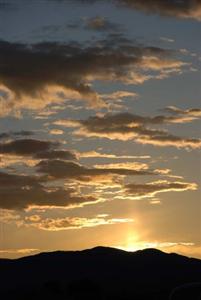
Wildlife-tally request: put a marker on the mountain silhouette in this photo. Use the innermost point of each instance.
(101, 273)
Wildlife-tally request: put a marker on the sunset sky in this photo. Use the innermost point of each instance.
(100, 122)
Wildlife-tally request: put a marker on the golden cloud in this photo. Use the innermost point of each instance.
(127, 126)
(67, 223)
(31, 79)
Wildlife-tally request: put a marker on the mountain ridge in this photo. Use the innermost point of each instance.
(113, 271)
(99, 249)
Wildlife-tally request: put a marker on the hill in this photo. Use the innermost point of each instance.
(100, 273)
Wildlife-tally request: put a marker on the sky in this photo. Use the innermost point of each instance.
(100, 125)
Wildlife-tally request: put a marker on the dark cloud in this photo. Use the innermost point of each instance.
(58, 169)
(128, 118)
(11, 134)
(56, 154)
(31, 76)
(20, 192)
(7, 180)
(173, 8)
(26, 146)
(151, 189)
(125, 126)
(36, 148)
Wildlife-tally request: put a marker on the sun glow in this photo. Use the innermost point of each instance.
(132, 242)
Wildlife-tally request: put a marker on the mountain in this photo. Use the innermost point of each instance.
(100, 273)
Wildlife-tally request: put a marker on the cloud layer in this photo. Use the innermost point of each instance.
(64, 169)
(179, 9)
(57, 224)
(33, 76)
(20, 191)
(151, 189)
(127, 126)
(38, 149)
(173, 8)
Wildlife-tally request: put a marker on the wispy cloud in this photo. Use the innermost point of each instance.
(127, 126)
(67, 223)
(95, 154)
(166, 39)
(192, 112)
(101, 24)
(138, 191)
(22, 251)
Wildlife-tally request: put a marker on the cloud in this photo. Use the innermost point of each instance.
(55, 183)
(12, 161)
(8, 216)
(166, 39)
(193, 112)
(19, 192)
(115, 101)
(173, 8)
(33, 76)
(18, 251)
(167, 246)
(56, 131)
(170, 140)
(11, 134)
(62, 169)
(99, 23)
(9, 180)
(138, 191)
(118, 95)
(37, 149)
(187, 9)
(56, 154)
(125, 165)
(127, 126)
(26, 146)
(57, 176)
(61, 183)
(67, 223)
(91, 154)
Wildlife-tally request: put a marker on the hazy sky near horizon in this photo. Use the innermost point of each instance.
(100, 125)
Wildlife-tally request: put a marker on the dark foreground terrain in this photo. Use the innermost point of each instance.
(101, 274)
